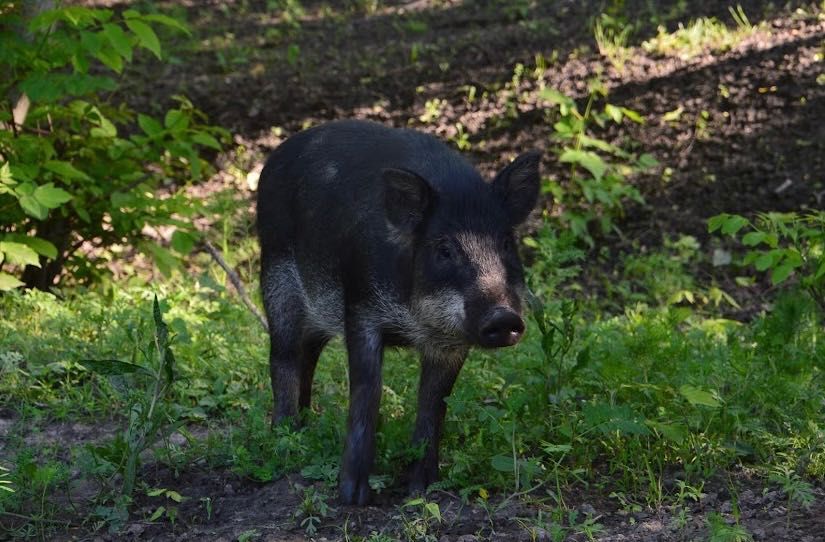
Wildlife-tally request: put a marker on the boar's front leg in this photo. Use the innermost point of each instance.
(438, 374)
(365, 352)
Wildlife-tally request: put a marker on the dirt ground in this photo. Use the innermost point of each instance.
(761, 147)
(221, 506)
(269, 508)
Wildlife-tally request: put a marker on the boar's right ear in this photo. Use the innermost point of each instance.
(406, 198)
(518, 184)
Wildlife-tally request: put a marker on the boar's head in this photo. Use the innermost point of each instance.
(467, 278)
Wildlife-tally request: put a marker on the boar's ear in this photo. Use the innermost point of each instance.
(406, 198)
(518, 185)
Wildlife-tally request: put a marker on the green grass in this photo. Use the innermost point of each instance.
(618, 400)
(705, 34)
(612, 40)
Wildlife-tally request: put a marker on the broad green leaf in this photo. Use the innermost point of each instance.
(82, 84)
(793, 257)
(5, 174)
(65, 170)
(157, 513)
(698, 396)
(146, 36)
(681, 295)
(195, 163)
(433, 509)
(150, 126)
(8, 282)
(91, 41)
(672, 432)
(174, 495)
(80, 63)
(772, 240)
(110, 58)
(647, 161)
(563, 129)
(119, 40)
(554, 96)
(20, 254)
(43, 87)
(183, 242)
(590, 161)
(733, 224)
(615, 113)
(122, 199)
(50, 196)
(41, 246)
(175, 120)
(502, 463)
(33, 208)
(25, 189)
(782, 272)
(106, 129)
(530, 242)
(167, 21)
(202, 138)
(632, 115)
(716, 222)
(768, 259)
(588, 141)
(753, 238)
(673, 116)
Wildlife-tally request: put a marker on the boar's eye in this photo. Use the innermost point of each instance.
(444, 252)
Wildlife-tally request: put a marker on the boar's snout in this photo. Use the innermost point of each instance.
(500, 327)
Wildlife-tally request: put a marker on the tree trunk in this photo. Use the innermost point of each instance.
(56, 231)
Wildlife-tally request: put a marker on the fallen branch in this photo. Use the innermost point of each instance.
(236, 282)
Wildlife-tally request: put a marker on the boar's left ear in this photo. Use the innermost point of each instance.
(406, 198)
(518, 185)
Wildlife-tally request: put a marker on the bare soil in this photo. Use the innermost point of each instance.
(239, 506)
(762, 148)
(222, 506)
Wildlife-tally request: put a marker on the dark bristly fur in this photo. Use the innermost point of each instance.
(387, 237)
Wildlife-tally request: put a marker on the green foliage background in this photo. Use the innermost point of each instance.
(78, 173)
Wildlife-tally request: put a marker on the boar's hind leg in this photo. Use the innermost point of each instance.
(310, 352)
(365, 352)
(284, 304)
(438, 374)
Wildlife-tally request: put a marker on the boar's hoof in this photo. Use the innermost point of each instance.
(354, 491)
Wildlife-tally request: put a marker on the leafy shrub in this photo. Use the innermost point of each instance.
(148, 394)
(784, 244)
(80, 175)
(597, 187)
